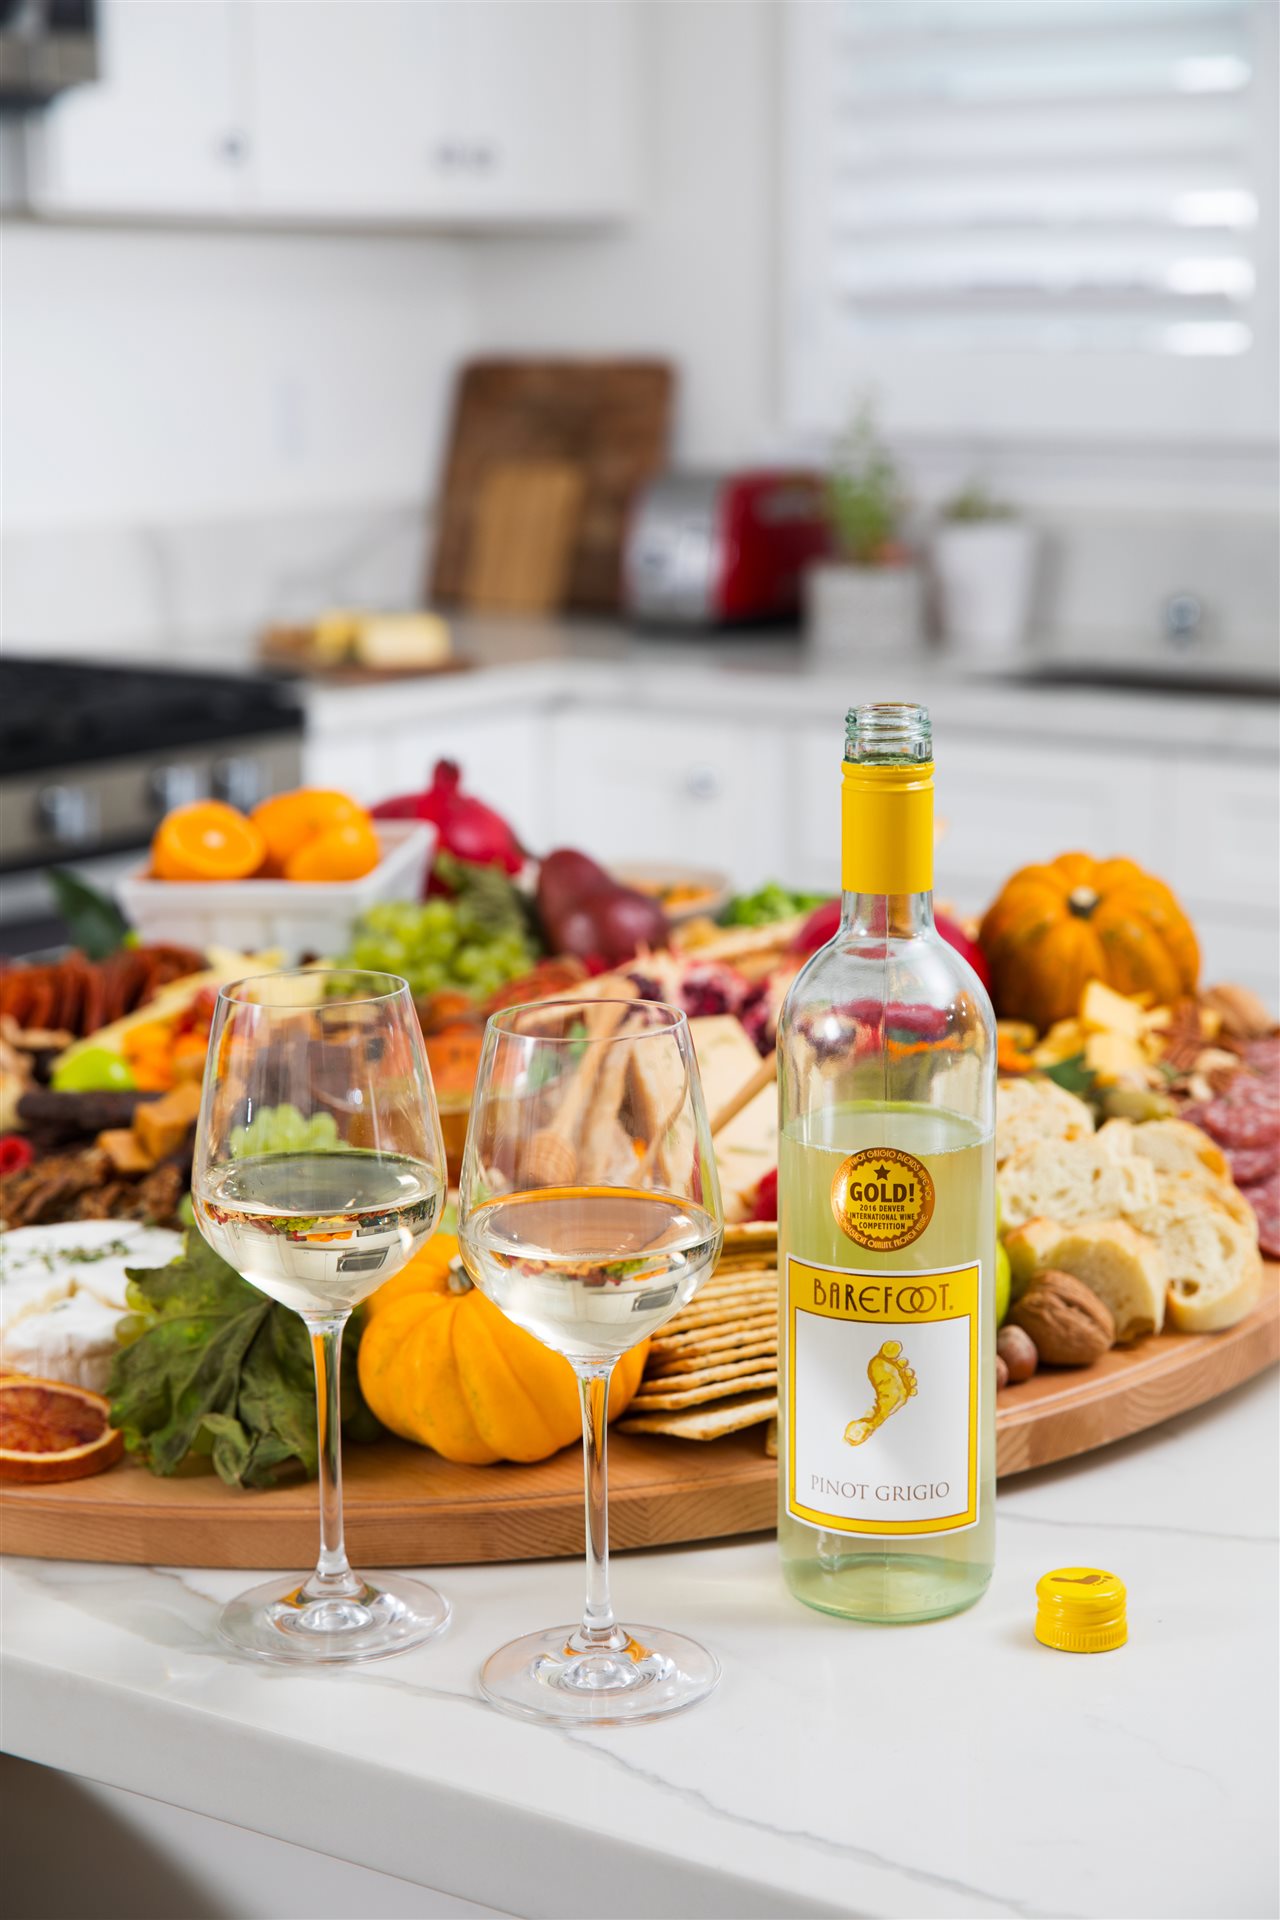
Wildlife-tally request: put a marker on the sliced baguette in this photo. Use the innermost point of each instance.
(1125, 1268)
(1181, 1153)
(1215, 1269)
(1072, 1180)
(1029, 1111)
(1175, 1146)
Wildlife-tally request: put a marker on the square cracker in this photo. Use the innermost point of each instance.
(681, 1364)
(706, 1423)
(737, 1382)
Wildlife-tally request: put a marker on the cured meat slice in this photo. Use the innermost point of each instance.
(1265, 1201)
(1250, 1165)
(1242, 1119)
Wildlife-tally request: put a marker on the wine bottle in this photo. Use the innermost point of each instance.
(886, 1223)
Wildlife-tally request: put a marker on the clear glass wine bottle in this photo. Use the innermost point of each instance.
(886, 1050)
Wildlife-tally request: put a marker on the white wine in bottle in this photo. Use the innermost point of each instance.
(886, 1223)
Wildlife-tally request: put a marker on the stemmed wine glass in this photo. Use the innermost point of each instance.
(319, 1170)
(589, 1213)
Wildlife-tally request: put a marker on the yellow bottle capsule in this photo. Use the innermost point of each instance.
(1081, 1610)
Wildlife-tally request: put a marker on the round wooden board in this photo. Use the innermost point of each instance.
(407, 1507)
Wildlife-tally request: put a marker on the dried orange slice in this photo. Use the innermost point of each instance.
(288, 820)
(206, 841)
(343, 853)
(49, 1431)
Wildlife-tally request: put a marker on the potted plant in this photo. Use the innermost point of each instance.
(869, 597)
(984, 559)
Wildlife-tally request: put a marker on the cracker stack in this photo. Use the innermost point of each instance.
(714, 1368)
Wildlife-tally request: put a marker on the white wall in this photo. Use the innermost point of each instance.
(693, 276)
(166, 376)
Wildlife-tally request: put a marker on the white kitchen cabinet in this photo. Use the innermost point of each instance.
(659, 786)
(372, 747)
(163, 131)
(433, 112)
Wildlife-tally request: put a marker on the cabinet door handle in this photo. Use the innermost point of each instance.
(234, 149)
(702, 783)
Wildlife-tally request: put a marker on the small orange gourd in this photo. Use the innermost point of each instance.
(444, 1368)
(1053, 928)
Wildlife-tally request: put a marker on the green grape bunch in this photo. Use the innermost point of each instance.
(284, 1129)
(473, 943)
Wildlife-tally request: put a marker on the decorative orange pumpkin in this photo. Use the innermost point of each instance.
(1054, 928)
(440, 1365)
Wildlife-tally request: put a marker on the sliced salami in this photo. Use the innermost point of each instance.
(1263, 1055)
(1250, 1165)
(1242, 1119)
(1265, 1201)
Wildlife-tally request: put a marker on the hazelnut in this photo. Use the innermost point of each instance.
(1002, 1374)
(1017, 1349)
(1069, 1324)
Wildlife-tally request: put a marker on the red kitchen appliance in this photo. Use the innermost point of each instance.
(711, 550)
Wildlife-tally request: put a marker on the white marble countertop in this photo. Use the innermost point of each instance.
(951, 1769)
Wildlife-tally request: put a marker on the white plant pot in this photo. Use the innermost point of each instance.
(986, 572)
(856, 613)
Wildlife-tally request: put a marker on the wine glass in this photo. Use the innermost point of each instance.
(319, 1170)
(589, 1211)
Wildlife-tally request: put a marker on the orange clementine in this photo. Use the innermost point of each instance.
(343, 853)
(288, 820)
(206, 841)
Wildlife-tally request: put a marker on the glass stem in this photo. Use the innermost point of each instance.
(599, 1629)
(333, 1575)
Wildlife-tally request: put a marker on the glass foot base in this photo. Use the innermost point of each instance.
(642, 1674)
(279, 1621)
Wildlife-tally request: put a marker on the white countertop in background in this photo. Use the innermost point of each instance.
(951, 1769)
(549, 662)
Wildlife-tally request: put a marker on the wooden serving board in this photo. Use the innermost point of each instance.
(407, 1507)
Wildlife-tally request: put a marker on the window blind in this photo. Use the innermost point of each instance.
(1040, 180)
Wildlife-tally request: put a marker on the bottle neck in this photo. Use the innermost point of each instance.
(887, 842)
(880, 916)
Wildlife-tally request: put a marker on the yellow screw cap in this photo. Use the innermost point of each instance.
(1081, 1610)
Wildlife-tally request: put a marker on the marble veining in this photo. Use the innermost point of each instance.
(956, 1769)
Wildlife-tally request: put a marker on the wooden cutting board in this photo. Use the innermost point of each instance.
(407, 1507)
(609, 419)
(521, 547)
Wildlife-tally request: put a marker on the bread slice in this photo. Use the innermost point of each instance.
(1215, 1269)
(1028, 1111)
(1125, 1268)
(1175, 1146)
(1072, 1180)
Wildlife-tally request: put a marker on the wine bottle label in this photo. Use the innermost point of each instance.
(882, 1398)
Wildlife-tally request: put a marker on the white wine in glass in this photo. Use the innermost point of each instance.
(589, 1213)
(319, 1171)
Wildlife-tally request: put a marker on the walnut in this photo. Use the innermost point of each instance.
(1242, 1015)
(1070, 1325)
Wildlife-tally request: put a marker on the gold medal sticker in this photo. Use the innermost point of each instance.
(882, 1198)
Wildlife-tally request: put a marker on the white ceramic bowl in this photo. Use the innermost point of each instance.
(301, 916)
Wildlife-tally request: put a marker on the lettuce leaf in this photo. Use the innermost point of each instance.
(213, 1368)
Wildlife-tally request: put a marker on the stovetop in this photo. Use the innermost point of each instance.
(64, 713)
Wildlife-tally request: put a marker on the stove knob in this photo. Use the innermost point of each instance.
(174, 786)
(67, 815)
(238, 781)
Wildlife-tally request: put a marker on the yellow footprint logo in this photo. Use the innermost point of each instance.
(894, 1383)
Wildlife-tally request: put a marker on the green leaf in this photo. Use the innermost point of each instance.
(95, 923)
(215, 1369)
(1072, 1075)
